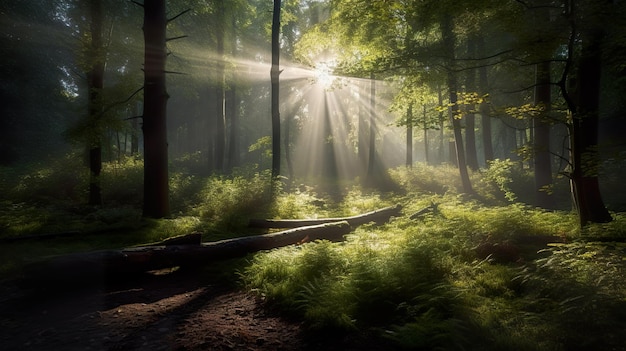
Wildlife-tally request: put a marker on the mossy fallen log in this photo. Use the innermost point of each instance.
(119, 263)
(378, 216)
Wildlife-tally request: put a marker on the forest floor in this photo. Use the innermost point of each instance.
(176, 311)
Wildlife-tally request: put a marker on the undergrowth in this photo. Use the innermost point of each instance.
(452, 273)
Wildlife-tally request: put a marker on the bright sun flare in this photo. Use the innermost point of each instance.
(324, 74)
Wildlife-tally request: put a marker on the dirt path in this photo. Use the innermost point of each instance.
(159, 313)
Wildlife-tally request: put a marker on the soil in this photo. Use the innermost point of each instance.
(176, 311)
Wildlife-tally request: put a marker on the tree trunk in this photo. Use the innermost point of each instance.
(134, 134)
(541, 137)
(371, 162)
(274, 75)
(470, 117)
(426, 147)
(409, 136)
(220, 129)
(441, 125)
(485, 118)
(232, 111)
(377, 216)
(362, 132)
(95, 85)
(449, 40)
(93, 266)
(584, 137)
(156, 187)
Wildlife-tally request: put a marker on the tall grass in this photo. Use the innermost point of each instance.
(468, 274)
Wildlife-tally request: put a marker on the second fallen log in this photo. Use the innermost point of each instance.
(378, 216)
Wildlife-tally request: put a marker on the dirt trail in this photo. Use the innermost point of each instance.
(158, 313)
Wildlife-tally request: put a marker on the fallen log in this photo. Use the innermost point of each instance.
(81, 267)
(377, 216)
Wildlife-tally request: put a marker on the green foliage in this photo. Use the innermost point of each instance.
(500, 174)
(229, 202)
(426, 285)
(462, 276)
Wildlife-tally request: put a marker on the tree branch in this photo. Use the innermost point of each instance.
(180, 14)
(108, 108)
(136, 3)
(176, 38)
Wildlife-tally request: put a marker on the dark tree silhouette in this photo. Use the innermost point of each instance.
(274, 75)
(95, 83)
(156, 186)
(584, 102)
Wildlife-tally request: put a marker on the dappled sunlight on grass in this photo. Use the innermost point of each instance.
(452, 272)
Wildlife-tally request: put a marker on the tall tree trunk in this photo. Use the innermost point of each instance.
(156, 187)
(287, 145)
(220, 136)
(95, 85)
(409, 136)
(470, 117)
(585, 120)
(362, 133)
(329, 163)
(449, 40)
(426, 147)
(274, 75)
(371, 162)
(134, 136)
(485, 118)
(232, 111)
(541, 137)
(441, 125)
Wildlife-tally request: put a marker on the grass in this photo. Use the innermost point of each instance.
(475, 274)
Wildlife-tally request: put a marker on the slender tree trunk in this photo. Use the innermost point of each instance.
(541, 138)
(470, 117)
(287, 145)
(449, 40)
(329, 163)
(220, 128)
(95, 85)
(426, 146)
(156, 187)
(485, 118)
(409, 136)
(371, 163)
(134, 136)
(232, 111)
(232, 105)
(274, 75)
(441, 125)
(362, 143)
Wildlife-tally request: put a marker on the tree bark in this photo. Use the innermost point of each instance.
(95, 85)
(93, 266)
(449, 40)
(426, 140)
(584, 138)
(470, 117)
(220, 128)
(541, 140)
(409, 136)
(485, 118)
(275, 86)
(156, 187)
(377, 216)
(371, 164)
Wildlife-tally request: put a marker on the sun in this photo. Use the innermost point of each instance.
(324, 74)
